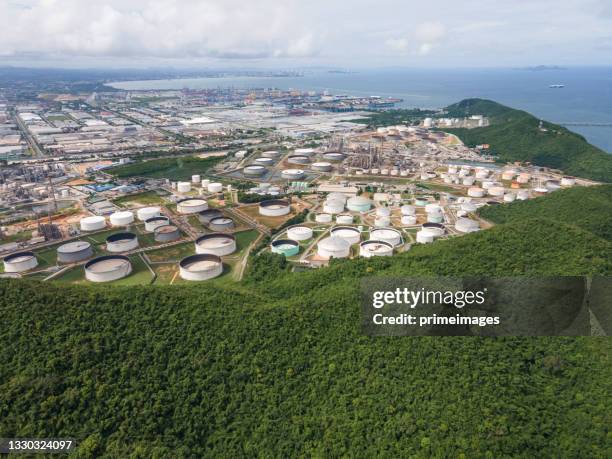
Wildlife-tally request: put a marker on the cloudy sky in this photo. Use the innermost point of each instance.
(302, 33)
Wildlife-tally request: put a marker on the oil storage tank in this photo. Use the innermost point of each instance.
(292, 174)
(145, 213)
(122, 218)
(359, 204)
(121, 242)
(191, 206)
(333, 206)
(155, 222)
(466, 225)
(200, 267)
(93, 223)
(349, 233)
(166, 233)
(333, 247)
(389, 235)
(207, 215)
(221, 224)
(323, 218)
(274, 208)
(285, 247)
(299, 233)
(20, 262)
(74, 251)
(373, 248)
(254, 170)
(298, 159)
(321, 167)
(216, 244)
(107, 268)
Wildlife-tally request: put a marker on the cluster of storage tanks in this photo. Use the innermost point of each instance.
(338, 244)
(205, 185)
(119, 218)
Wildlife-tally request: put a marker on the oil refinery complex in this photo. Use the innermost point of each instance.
(297, 174)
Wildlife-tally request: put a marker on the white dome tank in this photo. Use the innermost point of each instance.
(409, 220)
(148, 212)
(93, 223)
(299, 233)
(389, 235)
(122, 218)
(323, 218)
(466, 225)
(333, 247)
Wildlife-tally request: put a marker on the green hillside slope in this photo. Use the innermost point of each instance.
(515, 135)
(278, 368)
(587, 208)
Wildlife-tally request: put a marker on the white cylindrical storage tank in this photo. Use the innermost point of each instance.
(270, 154)
(344, 219)
(298, 159)
(433, 209)
(304, 151)
(383, 212)
(333, 247)
(381, 222)
(409, 220)
(468, 207)
(216, 244)
(221, 224)
(107, 268)
(553, 185)
(122, 218)
(205, 183)
(154, 222)
(321, 167)
(253, 170)
(73, 252)
(468, 181)
(568, 181)
(496, 191)
(359, 204)
(476, 192)
(299, 233)
(293, 174)
(374, 248)
(93, 223)
(336, 197)
(215, 187)
(509, 197)
(508, 175)
(148, 212)
(482, 173)
(423, 237)
(522, 195)
(274, 208)
(207, 215)
(323, 218)
(166, 233)
(121, 242)
(264, 161)
(348, 233)
(200, 267)
(183, 187)
(20, 262)
(196, 178)
(191, 206)
(466, 225)
(389, 235)
(333, 156)
(408, 210)
(333, 206)
(434, 229)
(435, 217)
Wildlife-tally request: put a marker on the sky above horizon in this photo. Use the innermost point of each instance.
(293, 33)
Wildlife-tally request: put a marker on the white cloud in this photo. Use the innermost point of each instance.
(341, 32)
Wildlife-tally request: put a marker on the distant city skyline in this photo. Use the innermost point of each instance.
(294, 34)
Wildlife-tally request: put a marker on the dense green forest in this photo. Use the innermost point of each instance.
(276, 366)
(180, 168)
(587, 208)
(515, 135)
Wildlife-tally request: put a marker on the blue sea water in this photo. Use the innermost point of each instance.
(586, 97)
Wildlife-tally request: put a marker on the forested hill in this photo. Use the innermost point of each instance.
(276, 366)
(515, 135)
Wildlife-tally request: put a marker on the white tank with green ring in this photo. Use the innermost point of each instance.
(285, 247)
